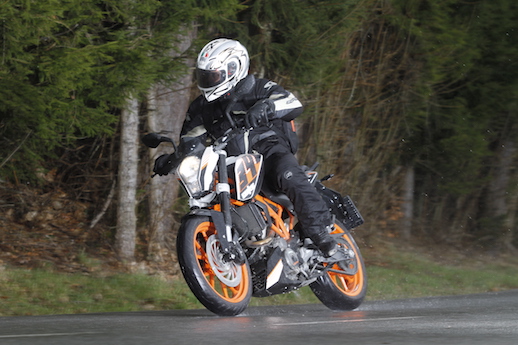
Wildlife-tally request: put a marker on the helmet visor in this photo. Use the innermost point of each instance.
(208, 78)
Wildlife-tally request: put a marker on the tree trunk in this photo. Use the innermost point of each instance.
(510, 221)
(128, 172)
(167, 108)
(499, 198)
(408, 203)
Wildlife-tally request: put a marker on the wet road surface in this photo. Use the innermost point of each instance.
(490, 318)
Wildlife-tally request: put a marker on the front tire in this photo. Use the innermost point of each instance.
(222, 287)
(340, 291)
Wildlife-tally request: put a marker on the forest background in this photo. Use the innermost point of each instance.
(412, 104)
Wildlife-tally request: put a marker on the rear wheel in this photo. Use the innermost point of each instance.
(344, 286)
(222, 287)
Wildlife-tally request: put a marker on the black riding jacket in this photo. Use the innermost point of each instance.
(207, 120)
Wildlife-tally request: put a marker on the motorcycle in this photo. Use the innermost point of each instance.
(241, 239)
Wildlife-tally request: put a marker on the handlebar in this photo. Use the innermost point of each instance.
(230, 134)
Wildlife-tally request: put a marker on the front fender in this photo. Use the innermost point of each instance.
(219, 223)
(216, 217)
(198, 212)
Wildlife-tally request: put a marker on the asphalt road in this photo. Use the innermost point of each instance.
(490, 318)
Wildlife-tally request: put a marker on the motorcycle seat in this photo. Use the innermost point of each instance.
(277, 197)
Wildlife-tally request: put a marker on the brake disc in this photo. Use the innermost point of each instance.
(228, 272)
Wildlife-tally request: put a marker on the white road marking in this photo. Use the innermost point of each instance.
(346, 320)
(44, 335)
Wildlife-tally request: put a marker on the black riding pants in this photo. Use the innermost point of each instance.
(284, 173)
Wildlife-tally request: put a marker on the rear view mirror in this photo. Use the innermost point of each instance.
(153, 140)
(244, 86)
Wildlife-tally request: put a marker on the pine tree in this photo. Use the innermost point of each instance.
(69, 68)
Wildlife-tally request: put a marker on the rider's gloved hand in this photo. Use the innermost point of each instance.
(260, 113)
(163, 165)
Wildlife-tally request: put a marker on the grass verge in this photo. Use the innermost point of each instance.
(400, 275)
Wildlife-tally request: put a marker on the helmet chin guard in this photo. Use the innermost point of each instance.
(221, 64)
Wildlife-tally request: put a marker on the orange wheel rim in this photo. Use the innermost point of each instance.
(350, 285)
(233, 294)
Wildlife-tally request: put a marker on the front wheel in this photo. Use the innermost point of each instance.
(222, 287)
(344, 285)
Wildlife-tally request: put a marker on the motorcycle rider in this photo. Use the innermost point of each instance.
(267, 109)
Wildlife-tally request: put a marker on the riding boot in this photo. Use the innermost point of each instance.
(323, 240)
(286, 175)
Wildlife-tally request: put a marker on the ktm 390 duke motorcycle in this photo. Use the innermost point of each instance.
(240, 239)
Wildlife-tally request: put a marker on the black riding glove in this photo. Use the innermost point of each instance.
(164, 164)
(260, 113)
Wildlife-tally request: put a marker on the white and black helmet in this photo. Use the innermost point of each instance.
(221, 64)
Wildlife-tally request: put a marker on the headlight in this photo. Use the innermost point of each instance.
(188, 173)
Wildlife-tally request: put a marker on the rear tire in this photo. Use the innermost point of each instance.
(340, 291)
(222, 287)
